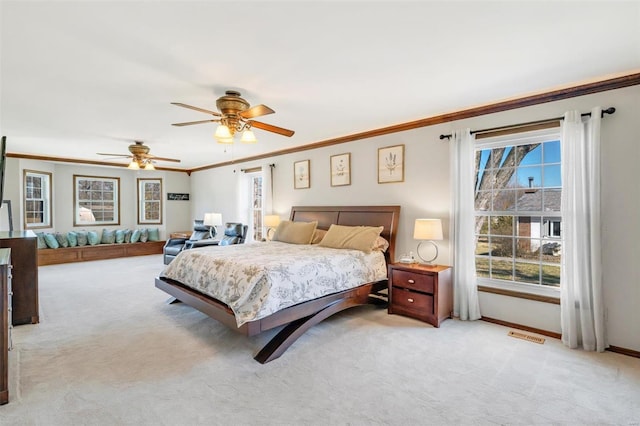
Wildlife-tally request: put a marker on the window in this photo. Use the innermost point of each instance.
(96, 200)
(37, 199)
(149, 201)
(517, 208)
(256, 206)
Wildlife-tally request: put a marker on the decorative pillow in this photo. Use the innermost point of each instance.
(51, 241)
(380, 244)
(318, 235)
(144, 235)
(295, 232)
(119, 236)
(72, 238)
(41, 243)
(351, 237)
(108, 236)
(82, 238)
(93, 238)
(135, 236)
(62, 239)
(127, 235)
(154, 234)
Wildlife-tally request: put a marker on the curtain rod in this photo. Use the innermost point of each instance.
(609, 110)
(256, 169)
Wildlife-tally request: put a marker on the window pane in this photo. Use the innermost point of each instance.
(552, 200)
(482, 246)
(502, 269)
(551, 275)
(528, 248)
(552, 176)
(482, 225)
(501, 225)
(527, 272)
(483, 200)
(504, 200)
(551, 152)
(482, 266)
(501, 246)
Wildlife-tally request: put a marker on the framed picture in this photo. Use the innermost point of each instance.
(301, 174)
(391, 164)
(341, 169)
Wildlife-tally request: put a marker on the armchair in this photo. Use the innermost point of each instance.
(234, 233)
(199, 238)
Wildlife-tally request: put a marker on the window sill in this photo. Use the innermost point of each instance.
(545, 298)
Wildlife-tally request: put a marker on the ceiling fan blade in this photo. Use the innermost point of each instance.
(114, 155)
(206, 111)
(189, 123)
(257, 111)
(271, 128)
(153, 157)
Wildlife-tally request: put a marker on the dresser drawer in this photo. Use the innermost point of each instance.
(408, 300)
(412, 280)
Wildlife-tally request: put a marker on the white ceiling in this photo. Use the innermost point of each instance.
(79, 78)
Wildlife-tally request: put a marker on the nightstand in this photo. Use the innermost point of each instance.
(421, 291)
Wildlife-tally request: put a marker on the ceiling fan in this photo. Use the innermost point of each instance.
(235, 115)
(140, 157)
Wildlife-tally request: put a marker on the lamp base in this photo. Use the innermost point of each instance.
(212, 232)
(427, 261)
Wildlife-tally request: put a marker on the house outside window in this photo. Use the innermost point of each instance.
(37, 199)
(149, 201)
(96, 200)
(517, 209)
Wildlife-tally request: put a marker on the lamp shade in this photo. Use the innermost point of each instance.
(212, 219)
(271, 220)
(427, 229)
(133, 165)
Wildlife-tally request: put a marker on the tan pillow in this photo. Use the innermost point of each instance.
(295, 232)
(380, 244)
(318, 235)
(351, 237)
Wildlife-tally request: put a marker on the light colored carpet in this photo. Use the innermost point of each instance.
(109, 351)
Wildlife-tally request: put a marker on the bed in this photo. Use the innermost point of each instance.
(298, 318)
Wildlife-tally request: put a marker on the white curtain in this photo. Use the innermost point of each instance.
(267, 189)
(466, 305)
(582, 312)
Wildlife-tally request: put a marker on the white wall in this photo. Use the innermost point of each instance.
(175, 213)
(425, 193)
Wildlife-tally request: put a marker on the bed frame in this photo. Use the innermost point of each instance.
(299, 318)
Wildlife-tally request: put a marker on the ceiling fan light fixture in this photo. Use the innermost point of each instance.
(133, 165)
(248, 136)
(223, 133)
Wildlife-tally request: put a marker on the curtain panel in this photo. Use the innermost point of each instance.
(465, 304)
(581, 300)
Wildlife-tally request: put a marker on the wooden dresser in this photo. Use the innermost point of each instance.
(421, 291)
(24, 255)
(5, 320)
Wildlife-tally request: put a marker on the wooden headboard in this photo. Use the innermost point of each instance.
(386, 216)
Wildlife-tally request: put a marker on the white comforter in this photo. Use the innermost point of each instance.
(258, 279)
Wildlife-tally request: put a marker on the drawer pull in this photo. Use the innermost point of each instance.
(411, 281)
(410, 300)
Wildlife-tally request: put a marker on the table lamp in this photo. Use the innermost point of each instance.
(212, 220)
(427, 230)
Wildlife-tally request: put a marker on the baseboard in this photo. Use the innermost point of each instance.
(624, 351)
(616, 349)
(522, 327)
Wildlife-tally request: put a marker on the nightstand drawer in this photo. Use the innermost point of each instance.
(410, 300)
(413, 281)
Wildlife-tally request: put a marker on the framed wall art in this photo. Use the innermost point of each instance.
(391, 164)
(301, 174)
(341, 169)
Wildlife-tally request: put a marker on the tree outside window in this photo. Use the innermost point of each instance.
(149, 201)
(37, 199)
(96, 200)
